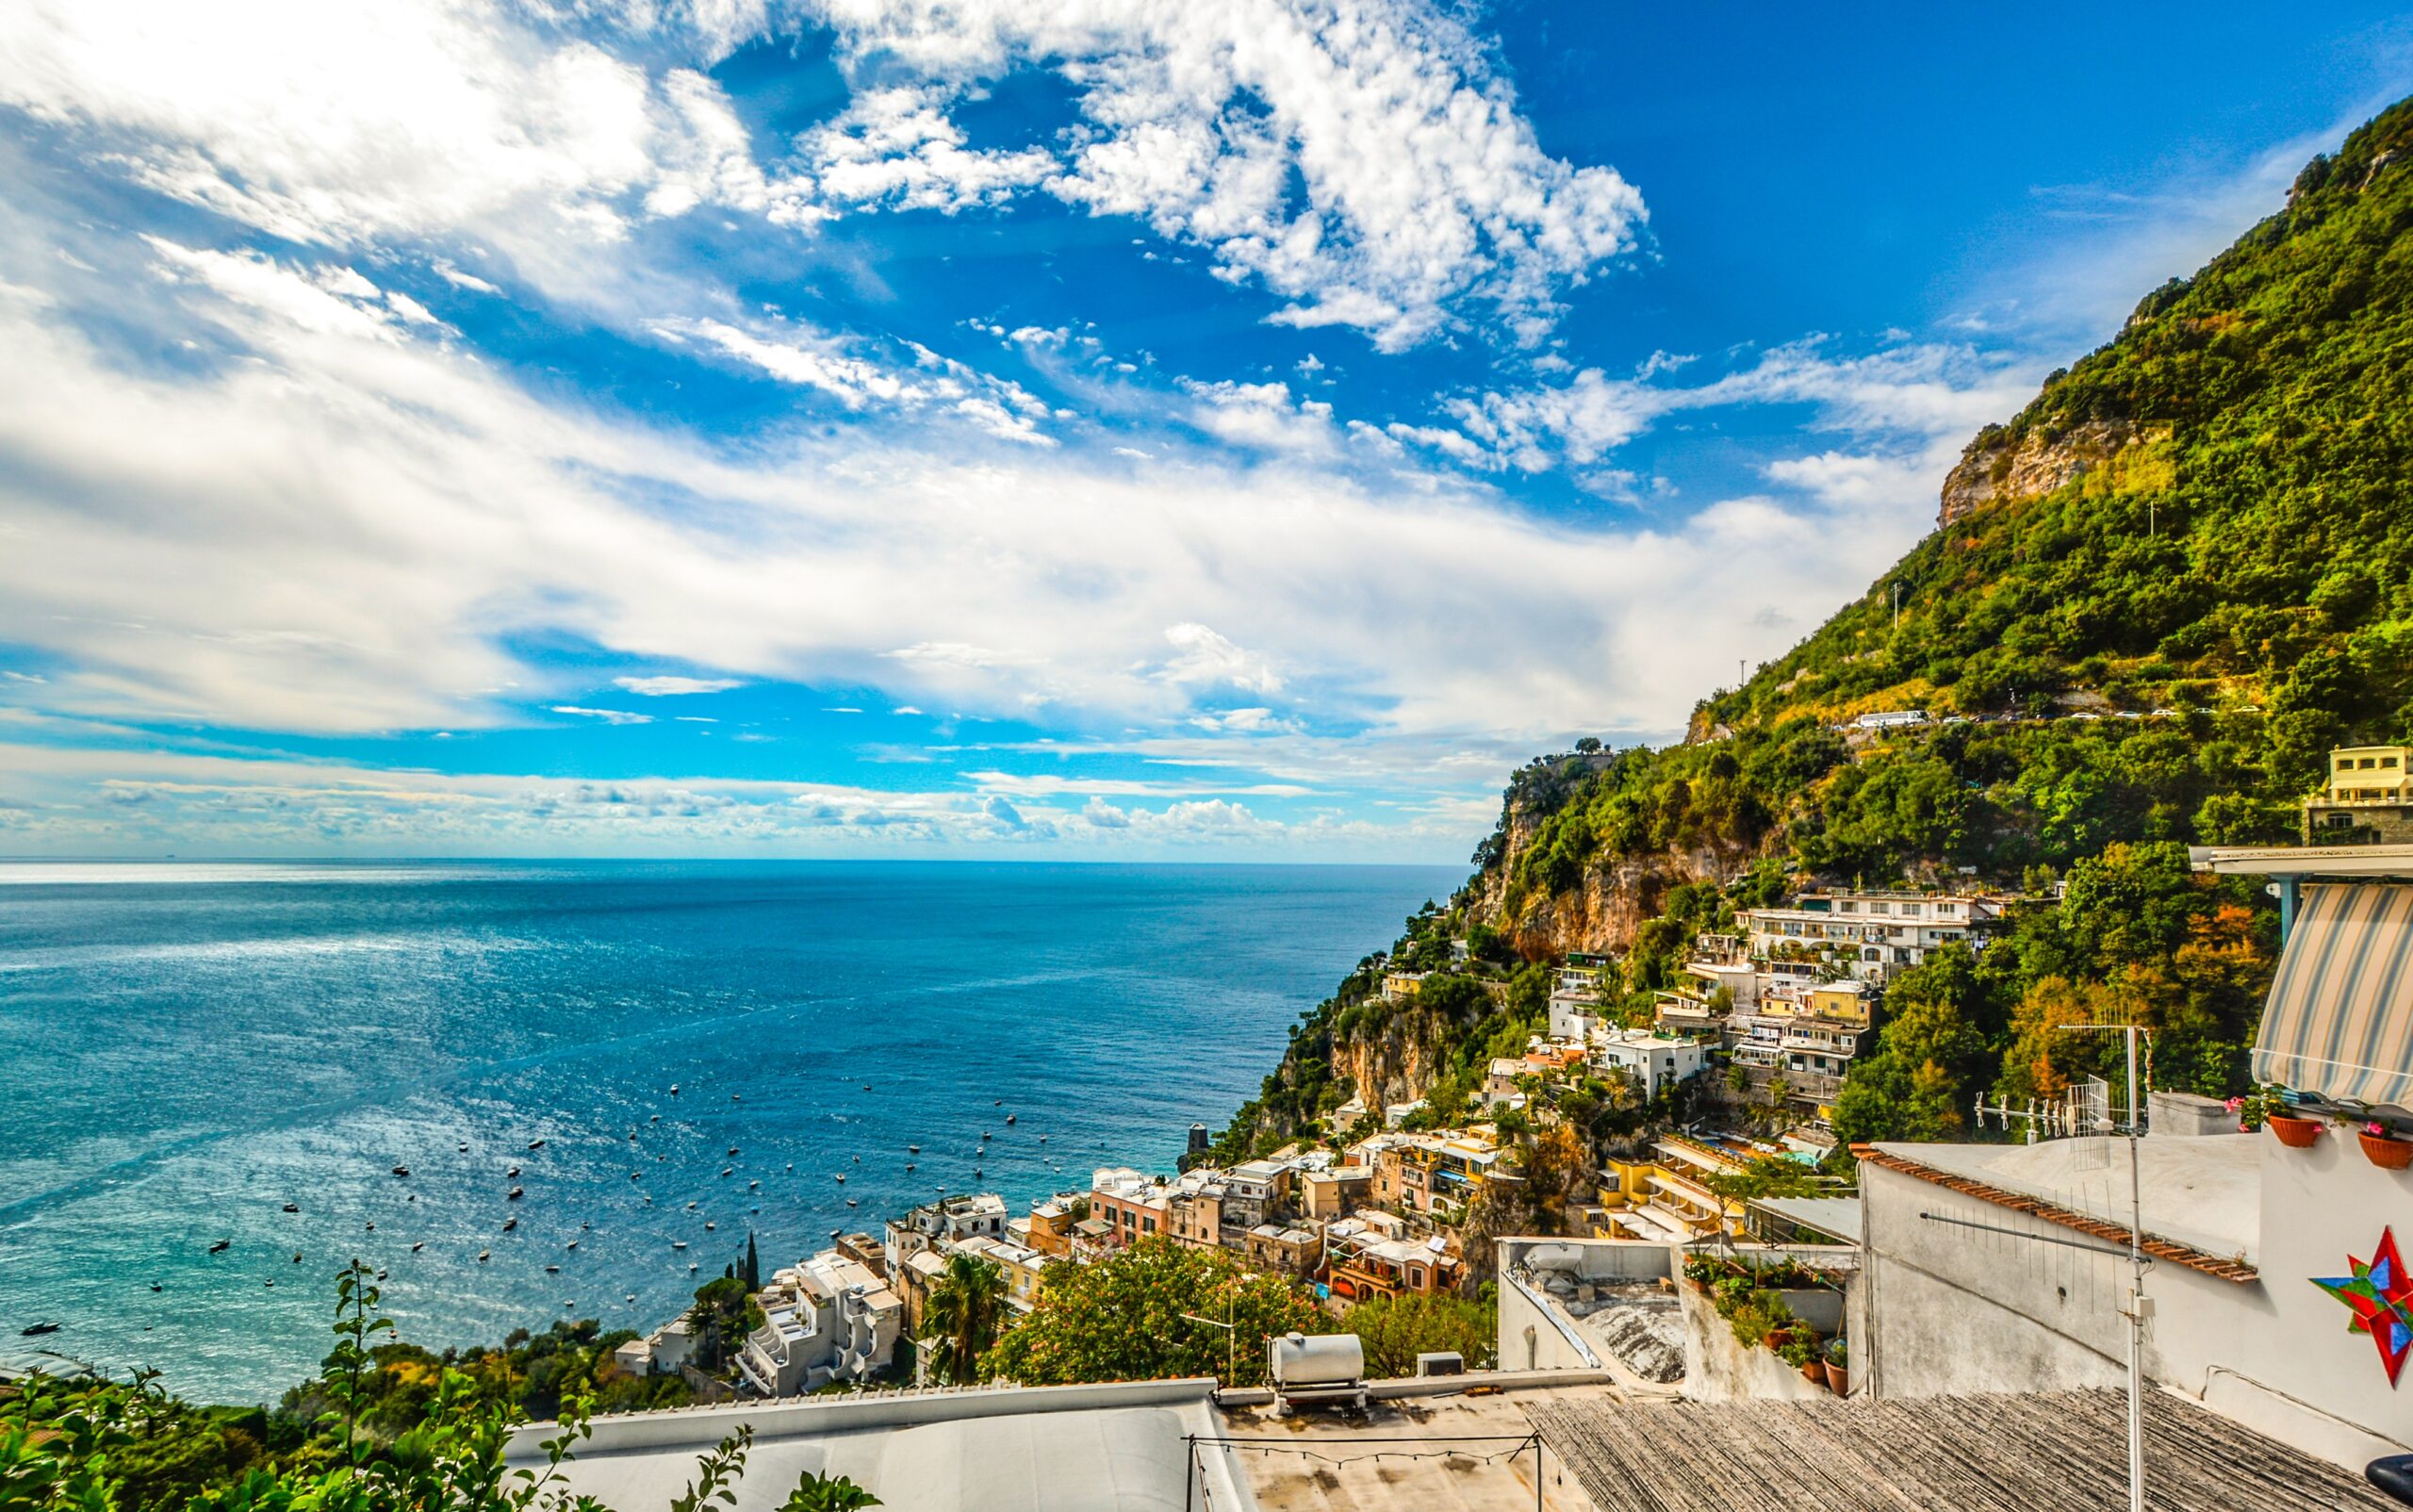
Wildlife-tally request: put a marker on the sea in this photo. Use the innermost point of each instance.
(655, 1054)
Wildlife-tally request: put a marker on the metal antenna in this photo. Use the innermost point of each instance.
(2140, 1307)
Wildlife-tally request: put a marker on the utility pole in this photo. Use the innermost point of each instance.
(1897, 604)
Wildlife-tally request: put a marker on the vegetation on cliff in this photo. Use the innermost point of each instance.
(2158, 596)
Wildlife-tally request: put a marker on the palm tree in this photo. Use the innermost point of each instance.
(966, 1310)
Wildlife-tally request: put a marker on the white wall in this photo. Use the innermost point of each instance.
(1955, 1309)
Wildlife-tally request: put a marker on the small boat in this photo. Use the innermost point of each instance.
(753, 1186)
(691, 1207)
(510, 1224)
(708, 1227)
(297, 1257)
(691, 1267)
(657, 1118)
(632, 1134)
(294, 1207)
(678, 1243)
(912, 1149)
(727, 1169)
(155, 1287)
(572, 1244)
(632, 1296)
(1043, 1139)
(536, 1144)
(908, 1165)
(221, 1246)
(732, 1149)
(421, 1245)
(511, 1174)
(401, 1170)
(553, 1270)
(985, 1136)
(482, 1253)
(37, 1330)
(866, 1086)
(842, 1178)
(587, 1225)
(632, 1176)
(464, 1149)
(380, 1275)
(674, 1091)
(850, 1202)
(371, 1228)
(858, 1160)
(999, 1103)
(269, 1283)
(514, 1194)
(733, 1097)
(792, 1164)
(1010, 1118)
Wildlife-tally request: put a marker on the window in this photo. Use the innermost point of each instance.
(2365, 764)
(2387, 760)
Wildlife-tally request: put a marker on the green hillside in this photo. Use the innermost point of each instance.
(2156, 598)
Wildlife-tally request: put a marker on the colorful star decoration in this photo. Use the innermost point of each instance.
(2380, 1294)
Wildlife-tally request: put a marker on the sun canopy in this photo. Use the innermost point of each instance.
(2340, 1021)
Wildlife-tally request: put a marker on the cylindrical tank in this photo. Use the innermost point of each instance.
(1319, 1359)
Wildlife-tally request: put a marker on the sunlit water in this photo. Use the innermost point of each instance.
(184, 1051)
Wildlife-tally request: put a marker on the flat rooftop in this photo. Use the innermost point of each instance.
(1972, 1454)
(1105, 1448)
(2203, 1192)
(1324, 1461)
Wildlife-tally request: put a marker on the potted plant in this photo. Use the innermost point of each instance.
(2382, 1148)
(1701, 1270)
(1802, 1355)
(1839, 1368)
(2268, 1106)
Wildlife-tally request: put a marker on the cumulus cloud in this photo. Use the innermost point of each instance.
(1416, 182)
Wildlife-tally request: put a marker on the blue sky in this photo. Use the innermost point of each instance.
(1108, 430)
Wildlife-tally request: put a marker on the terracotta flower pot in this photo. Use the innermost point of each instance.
(2386, 1151)
(1839, 1378)
(1774, 1339)
(1815, 1370)
(2295, 1133)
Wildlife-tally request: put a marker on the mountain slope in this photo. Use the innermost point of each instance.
(2207, 523)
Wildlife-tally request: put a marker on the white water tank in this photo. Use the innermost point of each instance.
(1320, 1360)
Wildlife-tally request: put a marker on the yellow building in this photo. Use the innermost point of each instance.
(2367, 797)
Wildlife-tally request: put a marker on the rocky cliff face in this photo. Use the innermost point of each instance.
(2001, 464)
(1601, 913)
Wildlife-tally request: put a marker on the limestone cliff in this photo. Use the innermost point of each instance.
(2003, 465)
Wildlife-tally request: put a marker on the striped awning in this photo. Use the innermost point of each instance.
(2340, 1021)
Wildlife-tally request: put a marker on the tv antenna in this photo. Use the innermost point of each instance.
(2089, 1112)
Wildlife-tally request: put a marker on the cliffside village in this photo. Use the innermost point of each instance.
(1767, 1020)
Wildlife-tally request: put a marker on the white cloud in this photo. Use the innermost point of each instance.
(1265, 417)
(1418, 183)
(1210, 658)
(339, 523)
(610, 716)
(1922, 390)
(666, 687)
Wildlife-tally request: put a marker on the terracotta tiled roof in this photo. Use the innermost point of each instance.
(2227, 1268)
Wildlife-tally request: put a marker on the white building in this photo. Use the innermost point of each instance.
(941, 1224)
(664, 1352)
(1654, 1061)
(1573, 1013)
(1874, 934)
(826, 1319)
